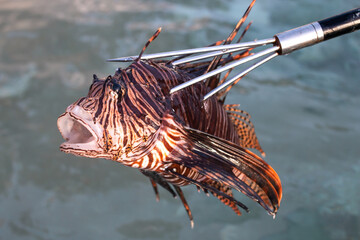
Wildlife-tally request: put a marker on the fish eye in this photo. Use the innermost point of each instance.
(117, 87)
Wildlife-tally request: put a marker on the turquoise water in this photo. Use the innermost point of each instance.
(305, 108)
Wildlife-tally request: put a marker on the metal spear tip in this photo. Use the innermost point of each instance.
(225, 48)
(122, 59)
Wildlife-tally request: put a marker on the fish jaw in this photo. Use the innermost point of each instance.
(82, 135)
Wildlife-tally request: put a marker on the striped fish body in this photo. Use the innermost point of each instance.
(174, 139)
(148, 101)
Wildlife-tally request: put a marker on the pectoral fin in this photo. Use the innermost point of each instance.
(227, 163)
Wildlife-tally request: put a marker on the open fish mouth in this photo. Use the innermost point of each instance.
(79, 136)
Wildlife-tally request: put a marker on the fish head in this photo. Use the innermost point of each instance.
(92, 126)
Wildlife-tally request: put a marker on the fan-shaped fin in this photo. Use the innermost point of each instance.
(244, 127)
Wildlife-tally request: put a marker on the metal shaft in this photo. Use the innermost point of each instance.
(300, 37)
(243, 73)
(316, 32)
(240, 46)
(222, 69)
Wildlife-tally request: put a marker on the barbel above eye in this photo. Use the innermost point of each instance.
(95, 78)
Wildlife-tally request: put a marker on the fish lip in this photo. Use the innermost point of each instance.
(75, 147)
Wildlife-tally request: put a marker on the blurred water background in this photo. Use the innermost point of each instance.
(305, 107)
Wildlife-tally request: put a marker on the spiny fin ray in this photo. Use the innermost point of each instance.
(244, 127)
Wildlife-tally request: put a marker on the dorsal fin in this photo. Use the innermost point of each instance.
(213, 81)
(148, 42)
(244, 54)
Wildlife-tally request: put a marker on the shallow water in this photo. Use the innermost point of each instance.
(305, 108)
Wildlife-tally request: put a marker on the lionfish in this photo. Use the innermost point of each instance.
(173, 139)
